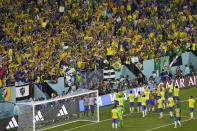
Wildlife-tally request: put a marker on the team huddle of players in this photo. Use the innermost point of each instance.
(159, 97)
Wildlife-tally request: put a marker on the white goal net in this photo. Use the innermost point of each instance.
(47, 114)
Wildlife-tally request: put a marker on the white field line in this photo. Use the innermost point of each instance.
(166, 125)
(108, 120)
(89, 123)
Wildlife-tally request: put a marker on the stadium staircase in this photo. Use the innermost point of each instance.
(47, 90)
(132, 67)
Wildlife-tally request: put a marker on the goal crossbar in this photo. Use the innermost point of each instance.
(57, 99)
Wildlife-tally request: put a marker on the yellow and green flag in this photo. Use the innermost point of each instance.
(139, 66)
(117, 65)
(164, 63)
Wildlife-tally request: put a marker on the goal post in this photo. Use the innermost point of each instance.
(74, 107)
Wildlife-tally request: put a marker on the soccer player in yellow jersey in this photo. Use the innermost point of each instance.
(131, 102)
(177, 116)
(114, 117)
(170, 87)
(162, 94)
(139, 101)
(191, 107)
(147, 93)
(170, 105)
(160, 107)
(121, 102)
(116, 97)
(143, 106)
(176, 93)
(152, 100)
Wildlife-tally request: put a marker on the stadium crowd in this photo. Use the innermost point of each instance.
(39, 37)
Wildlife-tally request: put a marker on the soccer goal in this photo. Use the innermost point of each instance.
(47, 114)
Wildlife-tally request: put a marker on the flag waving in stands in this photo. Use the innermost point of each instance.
(139, 66)
(117, 65)
(164, 63)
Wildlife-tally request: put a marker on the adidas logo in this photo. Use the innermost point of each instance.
(12, 124)
(62, 111)
(39, 117)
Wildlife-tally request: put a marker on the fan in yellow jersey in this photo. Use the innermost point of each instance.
(114, 117)
(131, 101)
(191, 107)
(139, 101)
(170, 105)
(160, 107)
(176, 93)
(162, 94)
(144, 113)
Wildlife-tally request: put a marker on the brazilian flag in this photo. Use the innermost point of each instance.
(78, 77)
(139, 66)
(164, 63)
(156, 63)
(117, 65)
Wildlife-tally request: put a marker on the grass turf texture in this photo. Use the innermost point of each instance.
(136, 122)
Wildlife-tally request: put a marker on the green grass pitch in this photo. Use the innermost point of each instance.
(135, 122)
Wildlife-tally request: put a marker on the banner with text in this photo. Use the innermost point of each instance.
(183, 82)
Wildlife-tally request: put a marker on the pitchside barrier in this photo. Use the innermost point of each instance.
(108, 99)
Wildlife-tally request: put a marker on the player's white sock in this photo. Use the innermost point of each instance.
(132, 109)
(192, 115)
(170, 113)
(149, 108)
(167, 105)
(116, 125)
(153, 108)
(112, 125)
(179, 123)
(175, 124)
(143, 114)
(138, 109)
(164, 106)
(161, 114)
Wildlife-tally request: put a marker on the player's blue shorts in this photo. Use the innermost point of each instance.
(177, 118)
(114, 120)
(152, 101)
(131, 104)
(166, 98)
(170, 94)
(191, 109)
(143, 107)
(170, 108)
(160, 109)
(116, 102)
(175, 97)
(139, 104)
(122, 106)
(163, 101)
(147, 102)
